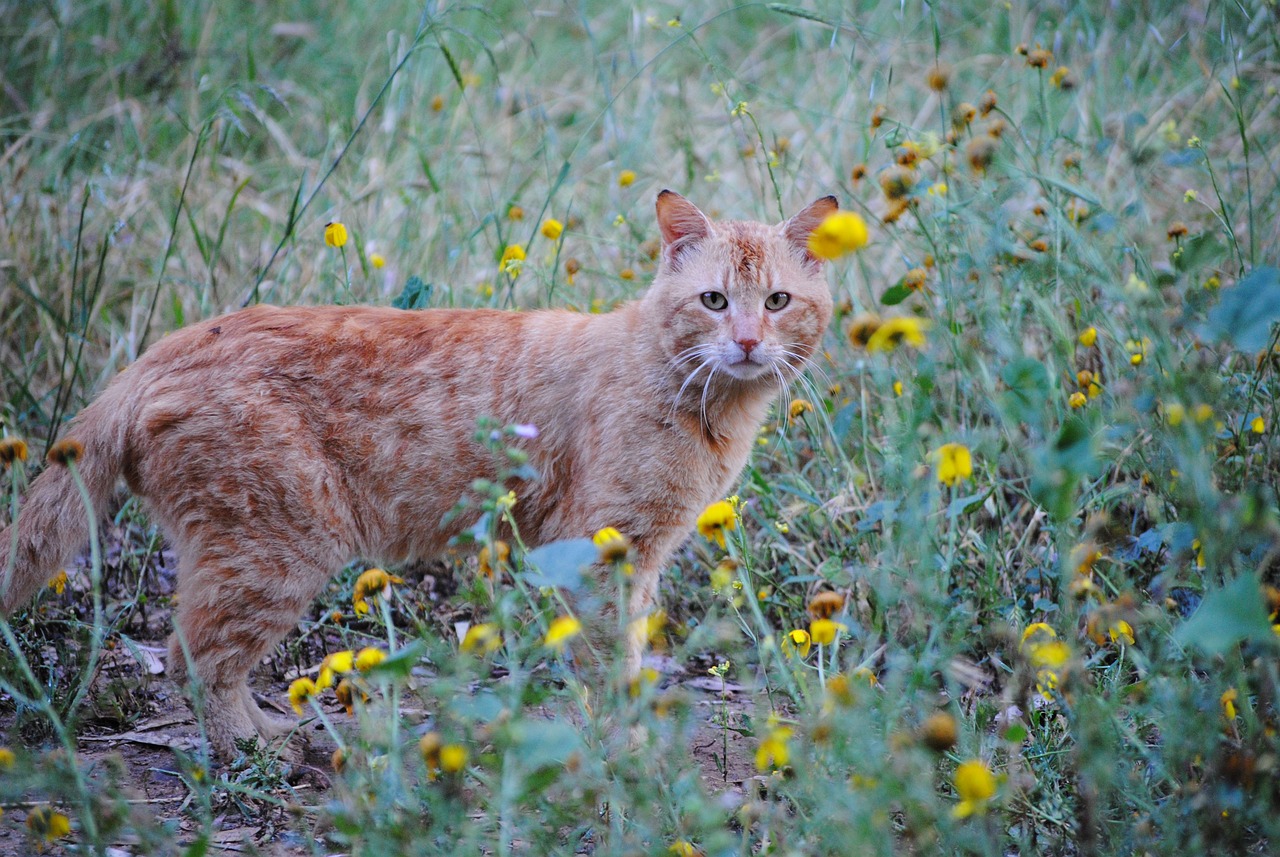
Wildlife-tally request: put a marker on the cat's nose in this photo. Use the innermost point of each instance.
(747, 344)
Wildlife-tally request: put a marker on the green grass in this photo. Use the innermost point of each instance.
(163, 166)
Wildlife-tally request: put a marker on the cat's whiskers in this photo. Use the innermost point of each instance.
(707, 360)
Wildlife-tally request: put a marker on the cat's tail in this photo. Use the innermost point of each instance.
(53, 520)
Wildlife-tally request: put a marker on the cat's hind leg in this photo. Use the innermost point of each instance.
(232, 609)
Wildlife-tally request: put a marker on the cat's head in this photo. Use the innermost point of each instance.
(738, 300)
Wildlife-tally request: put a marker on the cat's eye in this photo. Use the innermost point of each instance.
(777, 301)
(714, 300)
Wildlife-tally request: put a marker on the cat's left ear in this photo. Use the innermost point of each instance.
(799, 228)
(683, 226)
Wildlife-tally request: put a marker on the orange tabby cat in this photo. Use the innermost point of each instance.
(274, 445)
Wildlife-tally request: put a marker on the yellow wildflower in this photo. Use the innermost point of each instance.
(12, 449)
(939, 732)
(626, 178)
(335, 663)
(897, 388)
(377, 260)
(797, 643)
(976, 786)
(335, 234)
(1088, 337)
(613, 545)
(368, 658)
(798, 407)
(1258, 426)
(1037, 632)
(773, 751)
(716, 520)
(58, 583)
(562, 630)
(823, 631)
(684, 848)
(825, 604)
(1121, 631)
(65, 451)
(300, 691)
(1228, 702)
(896, 331)
(552, 228)
(724, 574)
(490, 560)
(839, 234)
(453, 758)
(512, 260)
(7, 758)
(372, 582)
(47, 824)
(482, 638)
(954, 463)
(515, 213)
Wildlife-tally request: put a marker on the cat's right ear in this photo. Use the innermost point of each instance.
(683, 226)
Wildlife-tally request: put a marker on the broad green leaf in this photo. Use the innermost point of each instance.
(1246, 311)
(895, 294)
(1226, 618)
(560, 563)
(415, 295)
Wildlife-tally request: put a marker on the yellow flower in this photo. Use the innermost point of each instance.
(1088, 337)
(300, 691)
(684, 848)
(1258, 426)
(716, 520)
(47, 824)
(798, 407)
(773, 751)
(1052, 655)
(1228, 702)
(512, 260)
(368, 658)
(976, 785)
(515, 213)
(897, 388)
(377, 260)
(7, 758)
(551, 228)
(612, 544)
(335, 663)
(1078, 400)
(375, 581)
(1121, 631)
(839, 234)
(954, 463)
(12, 449)
(562, 630)
(483, 638)
(1040, 632)
(501, 552)
(863, 674)
(335, 234)
(453, 758)
(893, 332)
(939, 732)
(626, 178)
(58, 583)
(797, 643)
(823, 631)
(724, 574)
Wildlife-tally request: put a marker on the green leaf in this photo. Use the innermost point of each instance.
(1198, 252)
(559, 563)
(1028, 383)
(1244, 315)
(970, 503)
(1059, 466)
(1017, 733)
(415, 295)
(895, 294)
(1226, 618)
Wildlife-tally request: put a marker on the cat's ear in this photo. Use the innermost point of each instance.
(800, 227)
(683, 226)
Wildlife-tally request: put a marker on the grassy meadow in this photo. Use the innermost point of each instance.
(1000, 576)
